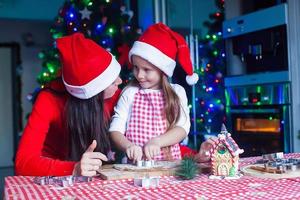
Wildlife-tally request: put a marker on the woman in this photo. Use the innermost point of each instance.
(67, 129)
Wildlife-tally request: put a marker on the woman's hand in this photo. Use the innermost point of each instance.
(134, 152)
(151, 149)
(90, 162)
(205, 149)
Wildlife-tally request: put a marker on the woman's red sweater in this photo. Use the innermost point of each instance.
(43, 149)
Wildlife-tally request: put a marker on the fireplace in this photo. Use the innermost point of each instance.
(258, 117)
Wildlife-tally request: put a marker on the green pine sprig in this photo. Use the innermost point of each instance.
(188, 168)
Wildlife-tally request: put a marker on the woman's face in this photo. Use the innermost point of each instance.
(110, 90)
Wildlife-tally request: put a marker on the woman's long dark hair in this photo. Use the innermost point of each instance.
(86, 120)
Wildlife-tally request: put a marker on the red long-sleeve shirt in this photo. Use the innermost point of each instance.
(43, 148)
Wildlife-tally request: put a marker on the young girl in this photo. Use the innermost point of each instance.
(152, 115)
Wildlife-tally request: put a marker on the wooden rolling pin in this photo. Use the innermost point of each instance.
(268, 170)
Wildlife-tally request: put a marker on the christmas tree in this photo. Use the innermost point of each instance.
(108, 22)
(209, 91)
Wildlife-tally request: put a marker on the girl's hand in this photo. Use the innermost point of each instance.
(134, 152)
(90, 162)
(205, 149)
(151, 149)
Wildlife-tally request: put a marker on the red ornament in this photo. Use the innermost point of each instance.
(123, 51)
(104, 20)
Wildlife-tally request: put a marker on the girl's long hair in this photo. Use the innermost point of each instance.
(86, 120)
(172, 101)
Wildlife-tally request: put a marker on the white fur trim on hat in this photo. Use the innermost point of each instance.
(98, 84)
(192, 79)
(154, 56)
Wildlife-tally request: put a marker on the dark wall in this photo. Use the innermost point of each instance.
(16, 31)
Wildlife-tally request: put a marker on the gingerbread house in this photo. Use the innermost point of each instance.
(225, 155)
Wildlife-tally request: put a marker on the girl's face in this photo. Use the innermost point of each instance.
(147, 75)
(110, 90)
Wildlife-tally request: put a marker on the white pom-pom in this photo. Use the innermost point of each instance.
(193, 79)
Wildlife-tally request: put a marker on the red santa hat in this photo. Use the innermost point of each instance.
(87, 68)
(161, 46)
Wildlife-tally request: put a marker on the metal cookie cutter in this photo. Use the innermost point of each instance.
(146, 182)
(273, 156)
(145, 163)
(63, 181)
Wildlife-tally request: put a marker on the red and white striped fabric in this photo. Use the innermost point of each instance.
(147, 120)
